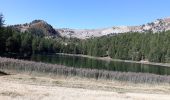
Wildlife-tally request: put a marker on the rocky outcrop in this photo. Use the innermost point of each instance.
(38, 27)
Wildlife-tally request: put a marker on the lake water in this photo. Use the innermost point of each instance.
(83, 62)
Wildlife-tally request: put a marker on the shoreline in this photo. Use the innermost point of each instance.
(34, 85)
(118, 60)
(20, 66)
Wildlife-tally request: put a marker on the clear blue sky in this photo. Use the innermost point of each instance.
(85, 13)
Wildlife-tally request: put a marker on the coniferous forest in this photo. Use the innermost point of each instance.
(154, 47)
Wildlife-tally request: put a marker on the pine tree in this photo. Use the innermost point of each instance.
(1, 20)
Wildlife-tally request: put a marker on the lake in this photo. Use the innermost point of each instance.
(84, 62)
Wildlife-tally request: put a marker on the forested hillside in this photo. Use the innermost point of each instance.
(150, 46)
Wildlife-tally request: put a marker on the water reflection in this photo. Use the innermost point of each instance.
(82, 62)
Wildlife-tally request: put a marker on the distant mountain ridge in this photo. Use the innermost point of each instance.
(157, 26)
(46, 29)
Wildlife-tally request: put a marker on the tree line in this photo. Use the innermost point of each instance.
(154, 47)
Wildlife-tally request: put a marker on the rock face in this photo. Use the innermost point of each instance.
(40, 27)
(157, 26)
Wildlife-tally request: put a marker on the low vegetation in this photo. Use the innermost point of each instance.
(20, 66)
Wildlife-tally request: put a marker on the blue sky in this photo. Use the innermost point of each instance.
(85, 14)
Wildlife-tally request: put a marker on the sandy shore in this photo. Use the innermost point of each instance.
(26, 87)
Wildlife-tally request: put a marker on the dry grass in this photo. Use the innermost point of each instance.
(10, 94)
(25, 87)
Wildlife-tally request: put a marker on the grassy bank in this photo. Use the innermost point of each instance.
(21, 66)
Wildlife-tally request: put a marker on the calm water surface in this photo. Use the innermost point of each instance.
(83, 62)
